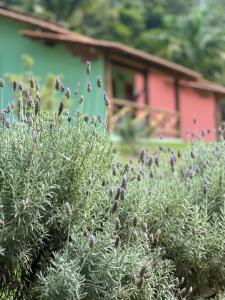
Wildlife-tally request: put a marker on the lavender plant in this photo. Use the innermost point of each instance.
(76, 223)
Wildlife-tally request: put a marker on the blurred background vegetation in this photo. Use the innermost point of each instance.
(188, 32)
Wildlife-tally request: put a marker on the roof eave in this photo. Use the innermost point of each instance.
(116, 48)
(32, 20)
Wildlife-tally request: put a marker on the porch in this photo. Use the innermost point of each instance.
(128, 85)
(163, 122)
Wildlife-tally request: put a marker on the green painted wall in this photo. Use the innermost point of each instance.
(57, 60)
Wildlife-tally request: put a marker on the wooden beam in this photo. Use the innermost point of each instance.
(164, 121)
(147, 86)
(218, 114)
(173, 132)
(120, 113)
(126, 62)
(177, 99)
(124, 102)
(108, 84)
(177, 94)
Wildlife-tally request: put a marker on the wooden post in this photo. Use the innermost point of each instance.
(146, 87)
(147, 91)
(218, 114)
(108, 84)
(177, 103)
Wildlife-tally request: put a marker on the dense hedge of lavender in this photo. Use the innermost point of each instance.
(76, 223)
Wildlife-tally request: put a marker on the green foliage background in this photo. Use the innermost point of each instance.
(189, 32)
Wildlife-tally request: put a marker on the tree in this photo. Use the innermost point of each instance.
(189, 32)
(187, 40)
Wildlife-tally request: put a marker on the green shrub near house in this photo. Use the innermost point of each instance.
(76, 223)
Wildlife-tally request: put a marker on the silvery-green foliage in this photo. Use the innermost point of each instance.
(187, 204)
(62, 280)
(76, 223)
(43, 166)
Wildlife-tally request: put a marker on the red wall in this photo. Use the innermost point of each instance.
(139, 88)
(192, 104)
(162, 95)
(161, 91)
(203, 108)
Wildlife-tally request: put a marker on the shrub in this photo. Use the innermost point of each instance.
(75, 223)
(184, 198)
(56, 179)
(61, 237)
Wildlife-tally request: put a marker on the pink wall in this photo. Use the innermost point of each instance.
(199, 106)
(161, 96)
(139, 88)
(161, 91)
(192, 104)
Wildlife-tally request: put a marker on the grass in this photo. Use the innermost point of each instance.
(131, 151)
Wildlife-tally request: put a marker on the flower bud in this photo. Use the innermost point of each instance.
(142, 156)
(81, 99)
(31, 82)
(106, 99)
(20, 86)
(88, 67)
(134, 220)
(124, 182)
(192, 154)
(117, 194)
(61, 107)
(117, 223)
(86, 119)
(14, 85)
(116, 242)
(140, 283)
(143, 271)
(67, 93)
(157, 161)
(99, 82)
(92, 241)
(57, 83)
(68, 209)
(114, 207)
(23, 206)
(114, 170)
(122, 193)
(135, 235)
(2, 83)
(38, 95)
(145, 227)
(89, 88)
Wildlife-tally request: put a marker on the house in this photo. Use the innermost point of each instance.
(166, 94)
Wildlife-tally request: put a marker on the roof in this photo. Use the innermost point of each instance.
(204, 85)
(21, 16)
(114, 47)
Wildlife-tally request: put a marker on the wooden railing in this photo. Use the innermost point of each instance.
(165, 122)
